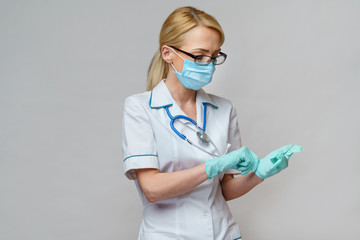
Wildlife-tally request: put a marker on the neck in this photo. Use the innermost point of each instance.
(181, 95)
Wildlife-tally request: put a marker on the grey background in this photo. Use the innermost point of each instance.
(66, 67)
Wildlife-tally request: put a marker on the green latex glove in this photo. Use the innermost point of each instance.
(276, 161)
(242, 159)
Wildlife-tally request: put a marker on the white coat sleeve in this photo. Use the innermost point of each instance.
(138, 142)
(233, 136)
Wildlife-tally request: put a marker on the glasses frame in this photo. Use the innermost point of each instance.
(195, 57)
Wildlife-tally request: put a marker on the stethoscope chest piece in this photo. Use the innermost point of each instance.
(203, 136)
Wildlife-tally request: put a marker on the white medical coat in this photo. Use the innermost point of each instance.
(149, 142)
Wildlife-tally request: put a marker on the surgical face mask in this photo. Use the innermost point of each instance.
(194, 76)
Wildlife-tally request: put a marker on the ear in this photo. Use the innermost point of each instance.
(167, 54)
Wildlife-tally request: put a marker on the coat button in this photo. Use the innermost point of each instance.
(206, 214)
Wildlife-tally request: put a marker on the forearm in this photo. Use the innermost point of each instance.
(236, 187)
(158, 186)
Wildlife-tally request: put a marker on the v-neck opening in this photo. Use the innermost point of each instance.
(198, 108)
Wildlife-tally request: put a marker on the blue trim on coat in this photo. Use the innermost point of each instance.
(168, 105)
(143, 155)
(210, 104)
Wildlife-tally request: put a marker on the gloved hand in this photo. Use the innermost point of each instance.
(242, 159)
(276, 161)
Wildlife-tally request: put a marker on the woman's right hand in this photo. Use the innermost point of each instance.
(242, 159)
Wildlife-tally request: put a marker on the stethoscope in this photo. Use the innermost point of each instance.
(200, 133)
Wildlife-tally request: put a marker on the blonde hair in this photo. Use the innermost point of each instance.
(172, 32)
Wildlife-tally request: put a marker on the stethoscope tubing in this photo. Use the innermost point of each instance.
(172, 120)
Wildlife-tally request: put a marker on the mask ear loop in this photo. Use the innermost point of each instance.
(172, 65)
(177, 53)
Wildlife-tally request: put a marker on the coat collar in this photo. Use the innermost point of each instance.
(160, 97)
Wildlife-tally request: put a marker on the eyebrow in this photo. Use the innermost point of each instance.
(205, 50)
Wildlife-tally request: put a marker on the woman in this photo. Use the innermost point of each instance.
(181, 145)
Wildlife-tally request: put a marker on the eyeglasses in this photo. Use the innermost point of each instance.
(205, 60)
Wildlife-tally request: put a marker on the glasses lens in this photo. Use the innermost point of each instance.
(203, 60)
(219, 60)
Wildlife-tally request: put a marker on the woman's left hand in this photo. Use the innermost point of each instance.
(276, 161)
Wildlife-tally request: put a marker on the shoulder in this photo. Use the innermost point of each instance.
(137, 103)
(139, 99)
